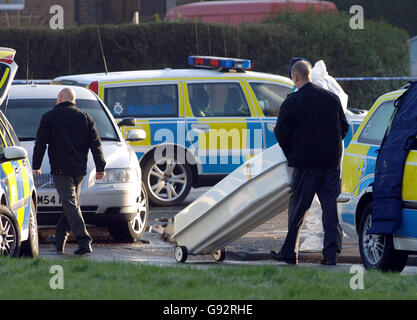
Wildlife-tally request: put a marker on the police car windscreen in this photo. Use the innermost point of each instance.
(25, 116)
(4, 79)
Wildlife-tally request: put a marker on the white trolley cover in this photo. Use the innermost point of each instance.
(249, 196)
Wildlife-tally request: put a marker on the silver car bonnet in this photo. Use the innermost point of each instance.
(116, 154)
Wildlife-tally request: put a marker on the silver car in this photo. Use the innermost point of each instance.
(118, 201)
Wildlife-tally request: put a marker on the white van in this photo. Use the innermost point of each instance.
(118, 201)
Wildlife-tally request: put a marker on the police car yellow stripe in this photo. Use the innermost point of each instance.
(255, 109)
(188, 112)
(223, 134)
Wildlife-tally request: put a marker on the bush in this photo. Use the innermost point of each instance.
(378, 50)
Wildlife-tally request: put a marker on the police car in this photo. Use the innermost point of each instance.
(201, 123)
(18, 225)
(384, 252)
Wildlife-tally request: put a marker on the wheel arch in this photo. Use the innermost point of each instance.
(363, 202)
(34, 197)
(3, 200)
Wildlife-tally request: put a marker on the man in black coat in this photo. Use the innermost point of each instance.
(69, 133)
(310, 129)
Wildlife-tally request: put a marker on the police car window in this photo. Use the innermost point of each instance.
(375, 128)
(4, 78)
(6, 135)
(2, 146)
(270, 97)
(143, 101)
(217, 100)
(25, 116)
(13, 135)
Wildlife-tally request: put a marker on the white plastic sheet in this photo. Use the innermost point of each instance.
(321, 78)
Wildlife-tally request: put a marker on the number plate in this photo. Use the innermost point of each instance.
(49, 200)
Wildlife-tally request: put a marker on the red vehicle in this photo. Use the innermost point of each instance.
(236, 12)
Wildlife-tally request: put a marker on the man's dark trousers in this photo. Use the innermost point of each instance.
(68, 189)
(306, 182)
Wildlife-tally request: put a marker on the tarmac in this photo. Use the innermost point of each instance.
(255, 246)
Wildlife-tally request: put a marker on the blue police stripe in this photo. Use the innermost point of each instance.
(220, 164)
(348, 218)
(139, 155)
(408, 224)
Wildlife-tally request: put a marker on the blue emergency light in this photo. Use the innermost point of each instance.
(219, 62)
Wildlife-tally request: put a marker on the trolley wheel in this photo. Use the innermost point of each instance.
(181, 254)
(219, 255)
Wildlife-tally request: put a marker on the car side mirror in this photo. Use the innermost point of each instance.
(15, 153)
(128, 122)
(136, 135)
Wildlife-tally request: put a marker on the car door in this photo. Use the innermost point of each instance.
(11, 174)
(222, 127)
(269, 97)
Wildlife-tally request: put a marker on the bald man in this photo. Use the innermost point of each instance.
(310, 129)
(69, 134)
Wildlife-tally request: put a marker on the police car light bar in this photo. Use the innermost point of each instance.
(7, 55)
(219, 62)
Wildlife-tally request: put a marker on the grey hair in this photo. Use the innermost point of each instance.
(303, 69)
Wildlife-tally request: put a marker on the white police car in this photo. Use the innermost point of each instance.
(118, 201)
(18, 225)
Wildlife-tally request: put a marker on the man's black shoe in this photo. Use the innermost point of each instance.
(328, 262)
(83, 250)
(279, 257)
(52, 240)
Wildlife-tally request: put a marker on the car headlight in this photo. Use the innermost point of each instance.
(119, 176)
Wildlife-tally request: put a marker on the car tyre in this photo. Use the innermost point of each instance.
(167, 181)
(9, 233)
(220, 255)
(132, 230)
(377, 251)
(30, 247)
(181, 254)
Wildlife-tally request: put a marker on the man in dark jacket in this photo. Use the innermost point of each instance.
(69, 133)
(310, 129)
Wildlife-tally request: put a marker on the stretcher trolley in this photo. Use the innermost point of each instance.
(249, 196)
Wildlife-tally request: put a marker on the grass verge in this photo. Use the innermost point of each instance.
(86, 279)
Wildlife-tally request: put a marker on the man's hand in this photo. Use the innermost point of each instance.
(37, 172)
(100, 175)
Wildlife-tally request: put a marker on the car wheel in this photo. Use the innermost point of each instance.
(377, 251)
(181, 254)
(167, 181)
(9, 233)
(219, 255)
(30, 247)
(132, 230)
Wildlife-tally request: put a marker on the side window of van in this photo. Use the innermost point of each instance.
(217, 100)
(270, 96)
(375, 128)
(143, 101)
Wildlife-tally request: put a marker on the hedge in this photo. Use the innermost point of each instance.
(378, 50)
